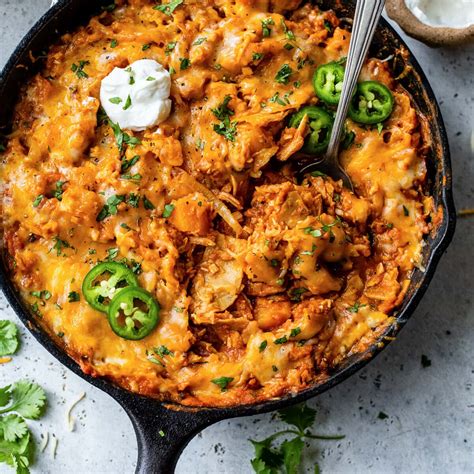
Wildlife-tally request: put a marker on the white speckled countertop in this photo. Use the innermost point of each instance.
(430, 422)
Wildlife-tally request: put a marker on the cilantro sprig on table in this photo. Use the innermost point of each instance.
(8, 338)
(20, 401)
(287, 456)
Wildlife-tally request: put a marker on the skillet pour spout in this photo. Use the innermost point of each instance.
(163, 432)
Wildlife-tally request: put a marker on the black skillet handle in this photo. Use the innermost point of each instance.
(162, 433)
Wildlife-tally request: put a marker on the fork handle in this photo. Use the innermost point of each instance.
(366, 18)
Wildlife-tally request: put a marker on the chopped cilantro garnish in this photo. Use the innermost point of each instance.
(184, 63)
(295, 332)
(73, 297)
(127, 164)
(199, 41)
(38, 200)
(115, 100)
(128, 103)
(222, 382)
(289, 34)
(112, 253)
(133, 200)
(169, 208)
(283, 75)
(169, 8)
(79, 69)
(146, 46)
(266, 30)
(59, 245)
(356, 307)
(111, 207)
(263, 345)
(148, 204)
(223, 113)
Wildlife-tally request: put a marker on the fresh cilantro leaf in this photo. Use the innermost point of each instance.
(27, 399)
(169, 8)
(267, 459)
(199, 41)
(169, 208)
(278, 100)
(295, 294)
(283, 75)
(223, 111)
(113, 43)
(295, 332)
(170, 47)
(8, 338)
(292, 451)
(146, 46)
(280, 340)
(73, 297)
(5, 395)
(12, 427)
(289, 34)
(257, 56)
(79, 69)
(59, 245)
(112, 253)
(163, 351)
(133, 200)
(148, 204)
(226, 128)
(127, 164)
(222, 382)
(300, 416)
(123, 138)
(266, 30)
(356, 307)
(38, 200)
(58, 193)
(184, 63)
(328, 26)
(17, 454)
(111, 207)
(313, 232)
(263, 345)
(115, 100)
(128, 103)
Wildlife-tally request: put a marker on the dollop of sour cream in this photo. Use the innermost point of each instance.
(137, 97)
(450, 13)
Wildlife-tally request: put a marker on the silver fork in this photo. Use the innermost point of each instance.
(366, 18)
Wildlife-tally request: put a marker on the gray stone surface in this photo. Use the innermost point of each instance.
(430, 410)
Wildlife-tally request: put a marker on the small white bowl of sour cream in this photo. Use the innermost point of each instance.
(435, 22)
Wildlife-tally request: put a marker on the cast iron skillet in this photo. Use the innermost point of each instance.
(159, 454)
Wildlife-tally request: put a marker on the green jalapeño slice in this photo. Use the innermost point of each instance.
(327, 82)
(133, 313)
(103, 282)
(320, 125)
(372, 103)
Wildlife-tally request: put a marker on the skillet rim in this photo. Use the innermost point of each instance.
(443, 238)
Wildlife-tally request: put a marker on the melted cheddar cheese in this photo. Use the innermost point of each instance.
(262, 280)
